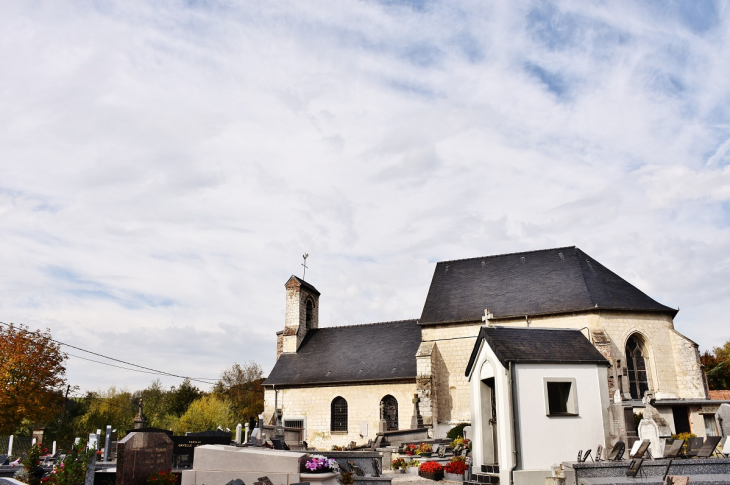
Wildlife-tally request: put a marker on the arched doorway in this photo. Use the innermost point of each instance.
(636, 363)
(389, 412)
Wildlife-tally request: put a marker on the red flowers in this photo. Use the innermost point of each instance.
(456, 466)
(430, 467)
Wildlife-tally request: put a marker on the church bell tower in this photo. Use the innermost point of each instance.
(302, 315)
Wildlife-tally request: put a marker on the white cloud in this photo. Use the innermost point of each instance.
(163, 167)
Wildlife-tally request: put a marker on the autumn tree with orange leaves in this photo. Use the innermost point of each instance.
(32, 377)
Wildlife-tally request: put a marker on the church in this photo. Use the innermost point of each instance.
(337, 383)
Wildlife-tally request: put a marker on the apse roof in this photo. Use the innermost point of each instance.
(548, 281)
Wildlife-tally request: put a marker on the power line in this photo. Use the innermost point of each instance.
(155, 371)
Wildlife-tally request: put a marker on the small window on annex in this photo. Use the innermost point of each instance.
(560, 397)
(710, 425)
(338, 422)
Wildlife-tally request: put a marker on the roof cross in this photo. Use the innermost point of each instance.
(305, 256)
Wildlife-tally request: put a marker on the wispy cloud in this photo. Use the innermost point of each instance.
(164, 166)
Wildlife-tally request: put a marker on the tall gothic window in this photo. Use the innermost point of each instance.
(338, 420)
(389, 412)
(636, 364)
(309, 314)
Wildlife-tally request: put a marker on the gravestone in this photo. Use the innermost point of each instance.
(648, 430)
(672, 450)
(92, 444)
(617, 452)
(141, 454)
(183, 450)
(634, 467)
(90, 469)
(694, 446)
(676, 480)
(723, 419)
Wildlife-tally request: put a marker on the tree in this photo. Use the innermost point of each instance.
(32, 377)
(179, 399)
(242, 386)
(110, 407)
(205, 414)
(717, 367)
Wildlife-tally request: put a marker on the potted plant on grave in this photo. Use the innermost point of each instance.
(162, 478)
(455, 468)
(410, 449)
(320, 470)
(431, 470)
(346, 478)
(398, 464)
(413, 467)
(425, 449)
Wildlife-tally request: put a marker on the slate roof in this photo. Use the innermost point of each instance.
(354, 353)
(305, 285)
(523, 345)
(548, 281)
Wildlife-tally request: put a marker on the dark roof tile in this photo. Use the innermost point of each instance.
(531, 283)
(536, 345)
(354, 353)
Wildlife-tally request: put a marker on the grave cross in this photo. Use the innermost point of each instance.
(305, 256)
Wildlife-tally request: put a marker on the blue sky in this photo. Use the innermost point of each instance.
(164, 165)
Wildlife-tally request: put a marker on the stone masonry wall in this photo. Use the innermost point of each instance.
(363, 404)
(673, 368)
(689, 373)
(454, 345)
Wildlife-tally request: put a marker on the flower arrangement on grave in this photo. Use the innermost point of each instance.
(72, 470)
(411, 449)
(320, 464)
(460, 444)
(398, 463)
(162, 478)
(413, 463)
(457, 465)
(426, 448)
(346, 478)
(338, 448)
(431, 467)
(31, 464)
(431, 470)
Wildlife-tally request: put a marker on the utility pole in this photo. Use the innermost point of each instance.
(65, 400)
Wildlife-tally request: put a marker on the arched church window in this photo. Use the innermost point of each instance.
(338, 420)
(309, 314)
(389, 412)
(636, 365)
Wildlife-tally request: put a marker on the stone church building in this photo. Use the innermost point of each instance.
(338, 382)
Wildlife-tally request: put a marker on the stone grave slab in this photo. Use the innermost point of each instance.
(221, 464)
(141, 454)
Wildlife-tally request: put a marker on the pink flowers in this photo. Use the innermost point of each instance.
(320, 464)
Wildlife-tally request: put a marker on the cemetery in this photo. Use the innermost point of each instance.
(551, 390)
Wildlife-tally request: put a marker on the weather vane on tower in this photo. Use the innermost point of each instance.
(305, 256)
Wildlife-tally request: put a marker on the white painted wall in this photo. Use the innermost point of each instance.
(487, 365)
(549, 440)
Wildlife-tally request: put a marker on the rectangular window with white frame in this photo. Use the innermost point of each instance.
(561, 396)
